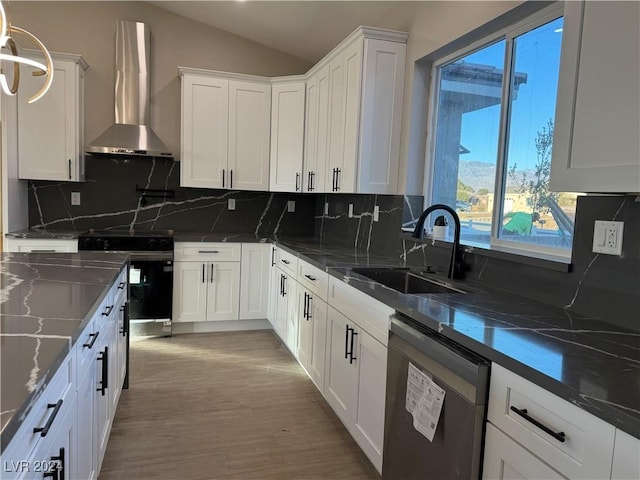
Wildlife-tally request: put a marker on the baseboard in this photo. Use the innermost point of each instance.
(224, 326)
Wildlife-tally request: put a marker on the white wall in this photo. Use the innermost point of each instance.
(88, 29)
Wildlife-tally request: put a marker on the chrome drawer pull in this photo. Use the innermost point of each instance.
(523, 413)
(208, 251)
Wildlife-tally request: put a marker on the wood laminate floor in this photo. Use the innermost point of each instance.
(232, 405)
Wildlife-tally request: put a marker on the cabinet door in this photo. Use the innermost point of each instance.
(291, 330)
(310, 134)
(280, 324)
(102, 394)
(204, 131)
(48, 136)
(274, 285)
(287, 136)
(595, 144)
(382, 89)
(341, 373)
(369, 415)
(336, 122)
(352, 58)
(506, 459)
(249, 133)
(626, 453)
(255, 269)
(223, 291)
(86, 445)
(55, 457)
(190, 281)
(313, 332)
(317, 132)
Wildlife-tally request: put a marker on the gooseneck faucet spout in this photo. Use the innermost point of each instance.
(455, 268)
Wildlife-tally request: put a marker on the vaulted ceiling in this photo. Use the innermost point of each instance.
(305, 29)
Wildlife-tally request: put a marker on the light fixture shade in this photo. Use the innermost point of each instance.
(7, 42)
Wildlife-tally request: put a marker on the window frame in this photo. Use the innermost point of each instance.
(508, 33)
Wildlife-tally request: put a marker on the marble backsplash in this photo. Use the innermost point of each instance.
(110, 200)
(602, 286)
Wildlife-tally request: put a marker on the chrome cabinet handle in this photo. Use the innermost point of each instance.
(208, 251)
(69, 169)
(223, 175)
(203, 273)
(50, 250)
(297, 181)
(560, 436)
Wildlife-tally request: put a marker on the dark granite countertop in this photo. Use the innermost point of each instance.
(47, 300)
(592, 364)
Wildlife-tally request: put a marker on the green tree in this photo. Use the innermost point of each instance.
(537, 186)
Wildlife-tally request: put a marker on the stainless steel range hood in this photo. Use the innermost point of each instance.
(131, 134)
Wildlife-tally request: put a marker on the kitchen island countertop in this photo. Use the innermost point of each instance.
(47, 300)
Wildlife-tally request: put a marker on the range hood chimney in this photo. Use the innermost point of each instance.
(131, 134)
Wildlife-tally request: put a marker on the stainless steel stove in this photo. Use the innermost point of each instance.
(150, 275)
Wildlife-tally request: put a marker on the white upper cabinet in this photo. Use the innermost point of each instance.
(225, 130)
(51, 130)
(595, 146)
(316, 132)
(205, 126)
(249, 131)
(287, 135)
(365, 82)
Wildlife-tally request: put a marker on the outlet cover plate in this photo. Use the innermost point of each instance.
(232, 204)
(376, 213)
(607, 237)
(291, 206)
(75, 198)
(351, 210)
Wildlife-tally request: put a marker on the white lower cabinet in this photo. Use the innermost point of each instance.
(255, 280)
(626, 457)
(506, 459)
(355, 382)
(286, 319)
(40, 245)
(563, 437)
(86, 464)
(312, 318)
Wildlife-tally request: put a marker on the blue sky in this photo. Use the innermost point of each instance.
(537, 54)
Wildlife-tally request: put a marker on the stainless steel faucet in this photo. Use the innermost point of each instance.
(455, 268)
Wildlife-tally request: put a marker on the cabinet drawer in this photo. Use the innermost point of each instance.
(288, 262)
(120, 286)
(207, 252)
(40, 245)
(314, 279)
(587, 449)
(60, 387)
(367, 312)
(86, 347)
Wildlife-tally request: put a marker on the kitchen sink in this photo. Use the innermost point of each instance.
(405, 281)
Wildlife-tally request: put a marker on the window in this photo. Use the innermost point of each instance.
(494, 109)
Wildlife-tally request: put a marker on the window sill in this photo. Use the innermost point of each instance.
(540, 260)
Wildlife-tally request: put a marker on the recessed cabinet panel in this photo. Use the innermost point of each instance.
(50, 143)
(595, 145)
(190, 291)
(223, 293)
(287, 136)
(249, 133)
(254, 280)
(346, 177)
(205, 107)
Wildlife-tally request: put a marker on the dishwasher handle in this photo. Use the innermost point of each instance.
(440, 350)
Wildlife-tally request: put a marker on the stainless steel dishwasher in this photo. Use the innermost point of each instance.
(460, 377)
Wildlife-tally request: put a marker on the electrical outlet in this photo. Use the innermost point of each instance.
(326, 208)
(607, 237)
(351, 210)
(232, 204)
(291, 206)
(75, 198)
(376, 213)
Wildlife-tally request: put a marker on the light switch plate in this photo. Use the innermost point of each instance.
(607, 237)
(232, 204)
(291, 206)
(75, 198)
(351, 210)
(376, 213)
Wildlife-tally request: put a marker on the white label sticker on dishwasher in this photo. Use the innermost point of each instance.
(424, 401)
